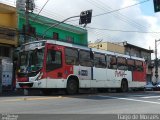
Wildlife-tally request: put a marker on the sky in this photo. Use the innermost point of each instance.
(147, 8)
(140, 18)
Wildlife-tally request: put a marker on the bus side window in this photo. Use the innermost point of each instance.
(54, 60)
(111, 62)
(99, 60)
(139, 66)
(71, 56)
(131, 64)
(121, 63)
(85, 58)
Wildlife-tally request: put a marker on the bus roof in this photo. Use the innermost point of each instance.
(67, 44)
(84, 48)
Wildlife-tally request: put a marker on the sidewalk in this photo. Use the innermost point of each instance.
(20, 92)
(11, 93)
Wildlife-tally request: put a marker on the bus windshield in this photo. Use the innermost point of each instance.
(31, 60)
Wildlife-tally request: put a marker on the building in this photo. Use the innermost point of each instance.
(12, 29)
(8, 30)
(134, 50)
(8, 42)
(62, 32)
(113, 47)
(128, 49)
(12, 33)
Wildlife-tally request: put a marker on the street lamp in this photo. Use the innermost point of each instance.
(156, 61)
(54, 25)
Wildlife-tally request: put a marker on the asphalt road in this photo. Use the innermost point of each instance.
(91, 104)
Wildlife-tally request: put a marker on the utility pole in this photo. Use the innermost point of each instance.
(156, 61)
(27, 21)
(30, 5)
(27, 6)
(0, 76)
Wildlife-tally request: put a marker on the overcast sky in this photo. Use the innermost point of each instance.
(136, 18)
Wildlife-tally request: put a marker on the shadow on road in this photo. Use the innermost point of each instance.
(91, 94)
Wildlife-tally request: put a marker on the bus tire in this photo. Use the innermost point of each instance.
(72, 87)
(124, 86)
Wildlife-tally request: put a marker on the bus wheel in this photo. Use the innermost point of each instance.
(124, 86)
(72, 87)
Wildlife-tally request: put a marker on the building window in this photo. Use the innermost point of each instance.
(31, 30)
(55, 36)
(4, 51)
(70, 39)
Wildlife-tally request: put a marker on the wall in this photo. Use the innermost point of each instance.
(108, 46)
(8, 25)
(115, 48)
(8, 39)
(8, 20)
(78, 35)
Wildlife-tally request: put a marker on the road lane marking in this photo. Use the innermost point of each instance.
(151, 97)
(135, 100)
(31, 99)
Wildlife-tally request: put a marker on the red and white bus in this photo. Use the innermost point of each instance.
(50, 64)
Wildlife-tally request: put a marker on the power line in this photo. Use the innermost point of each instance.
(112, 30)
(132, 23)
(124, 8)
(121, 8)
(124, 30)
(119, 15)
(50, 14)
(116, 9)
(40, 10)
(129, 20)
(122, 17)
(105, 8)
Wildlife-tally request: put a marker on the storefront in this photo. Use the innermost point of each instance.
(8, 42)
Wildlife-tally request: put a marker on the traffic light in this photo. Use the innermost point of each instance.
(85, 17)
(156, 5)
